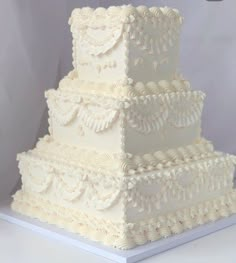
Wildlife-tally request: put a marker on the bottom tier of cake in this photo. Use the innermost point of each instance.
(125, 235)
(123, 200)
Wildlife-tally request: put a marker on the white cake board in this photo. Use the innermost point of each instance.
(122, 256)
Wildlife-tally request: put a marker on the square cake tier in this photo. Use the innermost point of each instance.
(117, 43)
(131, 203)
(161, 117)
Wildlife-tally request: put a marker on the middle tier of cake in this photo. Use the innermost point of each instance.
(140, 124)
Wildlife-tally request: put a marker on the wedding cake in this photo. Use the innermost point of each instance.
(124, 162)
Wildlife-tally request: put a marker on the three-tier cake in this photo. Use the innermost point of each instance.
(124, 162)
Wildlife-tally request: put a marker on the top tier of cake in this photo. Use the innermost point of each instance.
(126, 43)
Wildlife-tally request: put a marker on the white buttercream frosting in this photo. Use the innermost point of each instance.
(125, 162)
(124, 235)
(122, 89)
(146, 185)
(121, 42)
(85, 118)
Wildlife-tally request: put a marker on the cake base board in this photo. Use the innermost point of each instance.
(122, 256)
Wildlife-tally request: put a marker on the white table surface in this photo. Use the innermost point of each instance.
(19, 245)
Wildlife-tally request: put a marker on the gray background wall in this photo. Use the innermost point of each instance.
(35, 53)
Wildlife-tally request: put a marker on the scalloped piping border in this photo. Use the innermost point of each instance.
(122, 89)
(125, 235)
(125, 11)
(124, 162)
(116, 19)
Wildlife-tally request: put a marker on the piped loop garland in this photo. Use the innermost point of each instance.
(147, 118)
(184, 111)
(67, 181)
(181, 183)
(98, 32)
(32, 178)
(64, 112)
(104, 193)
(94, 116)
(98, 46)
(145, 114)
(115, 21)
(97, 118)
(70, 184)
